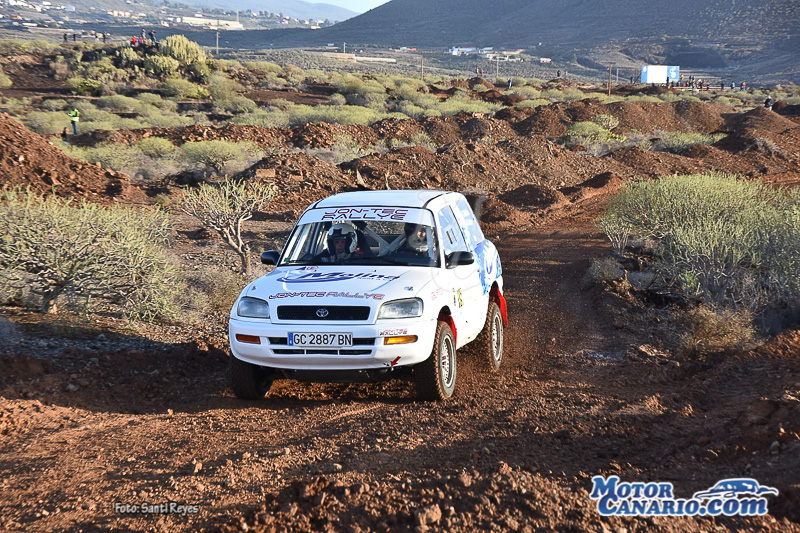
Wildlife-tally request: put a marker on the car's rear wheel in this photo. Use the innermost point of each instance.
(436, 376)
(249, 381)
(489, 344)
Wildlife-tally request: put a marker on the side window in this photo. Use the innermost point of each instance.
(452, 240)
(470, 226)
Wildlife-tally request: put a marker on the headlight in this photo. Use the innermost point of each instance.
(252, 308)
(401, 309)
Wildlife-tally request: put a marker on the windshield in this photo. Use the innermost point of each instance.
(362, 242)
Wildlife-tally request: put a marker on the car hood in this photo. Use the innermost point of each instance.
(337, 284)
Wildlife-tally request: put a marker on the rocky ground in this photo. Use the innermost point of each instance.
(99, 415)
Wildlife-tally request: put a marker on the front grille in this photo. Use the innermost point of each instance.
(334, 312)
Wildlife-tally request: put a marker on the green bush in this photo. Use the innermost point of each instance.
(729, 242)
(5, 81)
(676, 141)
(533, 103)
(161, 66)
(265, 119)
(156, 147)
(85, 86)
(182, 49)
(127, 57)
(46, 122)
(303, 114)
(607, 122)
(118, 103)
(213, 154)
(588, 133)
(184, 89)
(86, 255)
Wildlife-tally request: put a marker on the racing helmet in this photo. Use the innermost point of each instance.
(413, 240)
(342, 231)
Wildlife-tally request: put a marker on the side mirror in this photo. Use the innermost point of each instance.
(459, 258)
(270, 257)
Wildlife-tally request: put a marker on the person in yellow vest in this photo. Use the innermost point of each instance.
(74, 117)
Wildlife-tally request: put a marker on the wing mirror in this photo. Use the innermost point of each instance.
(270, 257)
(459, 258)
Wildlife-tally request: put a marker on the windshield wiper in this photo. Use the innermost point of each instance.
(377, 258)
(301, 262)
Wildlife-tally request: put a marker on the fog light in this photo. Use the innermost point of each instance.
(406, 339)
(248, 339)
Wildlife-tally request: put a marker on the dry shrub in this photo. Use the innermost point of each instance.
(605, 269)
(211, 291)
(708, 332)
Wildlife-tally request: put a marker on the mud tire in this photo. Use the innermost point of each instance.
(249, 381)
(488, 346)
(436, 376)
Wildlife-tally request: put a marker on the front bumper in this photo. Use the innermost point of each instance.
(368, 351)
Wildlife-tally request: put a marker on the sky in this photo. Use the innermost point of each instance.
(359, 6)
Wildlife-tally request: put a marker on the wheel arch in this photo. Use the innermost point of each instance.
(446, 316)
(497, 296)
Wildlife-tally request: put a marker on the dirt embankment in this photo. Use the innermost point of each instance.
(28, 160)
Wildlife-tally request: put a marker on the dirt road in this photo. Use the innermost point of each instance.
(89, 435)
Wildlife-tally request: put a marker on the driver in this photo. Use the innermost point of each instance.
(416, 240)
(342, 244)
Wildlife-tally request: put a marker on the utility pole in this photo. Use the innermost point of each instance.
(344, 48)
(421, 67)
(218, 40)
(609, 79)
(497, 67)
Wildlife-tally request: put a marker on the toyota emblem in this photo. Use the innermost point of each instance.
(322, 313)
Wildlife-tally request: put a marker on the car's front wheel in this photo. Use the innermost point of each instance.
(436, 376)
(249, 381)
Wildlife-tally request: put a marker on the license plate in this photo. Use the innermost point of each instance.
(313, 340)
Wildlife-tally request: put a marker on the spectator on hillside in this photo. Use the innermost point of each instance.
(105, 36)
(134, 41)
(768, 103)
(558, 74)
(74, 117)
(65, 137)
(743, 86)
(509, 83)
(65, 38)
(74, 37)
(153, 35)
(144, 36)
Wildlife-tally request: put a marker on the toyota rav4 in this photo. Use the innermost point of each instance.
(370, 286)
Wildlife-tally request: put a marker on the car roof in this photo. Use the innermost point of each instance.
(412, 198)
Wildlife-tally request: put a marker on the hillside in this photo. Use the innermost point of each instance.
(757, 37)
(573, 22)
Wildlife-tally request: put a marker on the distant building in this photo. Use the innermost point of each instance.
(459, 51)
(210, 23)
(545, 60)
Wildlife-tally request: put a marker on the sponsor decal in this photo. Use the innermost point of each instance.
(459, 300)
(365, 213)
(438, 293)
(729, 497)
(392, 332)
(327, 277)
(393, 362)
(357, 295)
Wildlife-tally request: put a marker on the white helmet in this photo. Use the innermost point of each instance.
(345, 231)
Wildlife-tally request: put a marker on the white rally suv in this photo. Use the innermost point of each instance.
(372, 285)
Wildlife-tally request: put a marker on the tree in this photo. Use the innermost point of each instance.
(224, 206)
